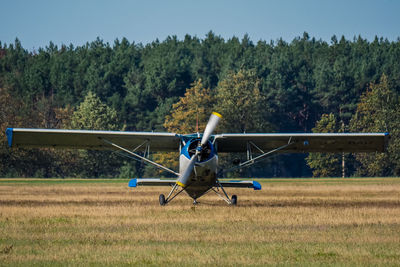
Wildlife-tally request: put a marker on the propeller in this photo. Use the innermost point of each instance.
(211, 125)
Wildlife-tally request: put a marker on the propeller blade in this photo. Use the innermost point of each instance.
(211, 125)
(184, 177)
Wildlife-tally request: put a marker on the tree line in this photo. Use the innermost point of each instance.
(276, 86)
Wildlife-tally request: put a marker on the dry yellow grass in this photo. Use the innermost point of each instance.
(289, 222)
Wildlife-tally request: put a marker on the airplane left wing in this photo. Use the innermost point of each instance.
(86, 139)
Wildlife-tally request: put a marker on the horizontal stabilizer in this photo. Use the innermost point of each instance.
(151, 182)
(243, 184)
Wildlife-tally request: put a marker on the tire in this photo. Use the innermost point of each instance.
(162, 200)
(234, 200)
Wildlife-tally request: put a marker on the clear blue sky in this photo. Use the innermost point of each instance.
(38, 22)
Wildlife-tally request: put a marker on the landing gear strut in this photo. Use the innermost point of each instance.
(231, 201)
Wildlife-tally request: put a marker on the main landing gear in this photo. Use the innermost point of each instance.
(231, 201)
(234, 200)
(162, 200)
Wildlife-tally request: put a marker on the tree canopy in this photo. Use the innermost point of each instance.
(274, 86)
(379, 111)
(324, 164)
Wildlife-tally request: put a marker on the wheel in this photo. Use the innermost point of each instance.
(234, 200)
(162, 200)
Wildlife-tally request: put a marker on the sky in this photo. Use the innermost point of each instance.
(36, 23)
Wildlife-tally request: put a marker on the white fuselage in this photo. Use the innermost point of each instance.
(204, 174)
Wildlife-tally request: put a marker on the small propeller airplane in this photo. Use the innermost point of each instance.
(198, 160)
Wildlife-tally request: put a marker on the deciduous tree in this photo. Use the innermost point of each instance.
(93, 114)
(241, 103)
(379, 111)
(324, 164)
(189, 113)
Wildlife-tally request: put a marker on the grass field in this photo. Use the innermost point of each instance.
(289, 222)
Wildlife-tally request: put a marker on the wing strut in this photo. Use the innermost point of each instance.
(170, 197)
(250, 160)
(140, 157)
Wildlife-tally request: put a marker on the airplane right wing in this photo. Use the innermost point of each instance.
(241, 184)
(303, 142)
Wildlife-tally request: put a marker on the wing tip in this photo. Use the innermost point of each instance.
(133, 183)
(256, 185)
(9, 134)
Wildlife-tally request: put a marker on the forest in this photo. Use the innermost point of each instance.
(306, 85)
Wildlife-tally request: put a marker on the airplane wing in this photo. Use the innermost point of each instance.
(303, 142)
(85, 139)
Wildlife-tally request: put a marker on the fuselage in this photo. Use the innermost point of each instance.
(204, 175)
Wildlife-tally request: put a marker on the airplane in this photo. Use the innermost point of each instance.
(198, 160)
